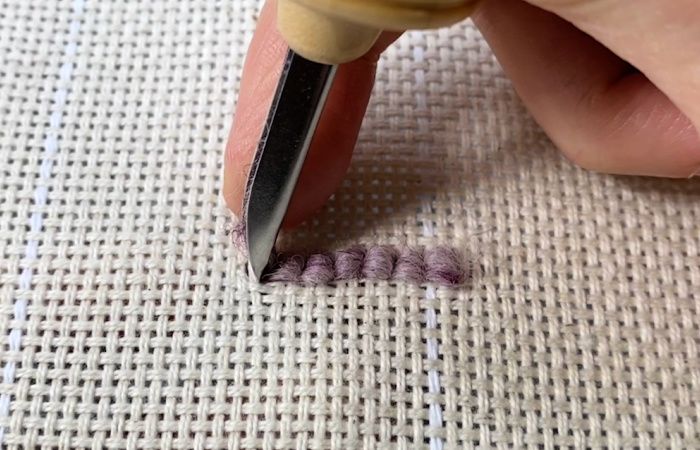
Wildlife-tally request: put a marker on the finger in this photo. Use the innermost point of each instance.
(331, 149)
(660, 38)
(600, 112)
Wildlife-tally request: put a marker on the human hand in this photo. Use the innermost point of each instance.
(637, 118)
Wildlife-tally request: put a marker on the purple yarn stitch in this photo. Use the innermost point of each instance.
(440, 265)
(410, 266)
(237, 232)
(288, 269)
(319, 270)
(444, 266)
(379, 262)
(349, 263)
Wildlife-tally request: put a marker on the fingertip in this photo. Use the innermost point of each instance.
(331, 150)
(258, 84)
(335, 138)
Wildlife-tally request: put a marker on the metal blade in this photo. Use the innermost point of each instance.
(291, 124)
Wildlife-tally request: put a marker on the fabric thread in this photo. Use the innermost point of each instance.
(432, 347)
(579, 329)
(41, 194)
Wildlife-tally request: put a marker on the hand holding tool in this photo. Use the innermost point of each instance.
(321, 35)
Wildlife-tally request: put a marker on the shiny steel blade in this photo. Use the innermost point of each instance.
(297, 106)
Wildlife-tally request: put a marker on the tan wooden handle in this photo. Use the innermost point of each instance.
(339, 31)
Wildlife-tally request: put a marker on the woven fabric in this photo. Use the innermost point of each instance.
(127, 319)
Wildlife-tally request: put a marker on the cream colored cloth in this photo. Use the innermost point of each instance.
(127, 319)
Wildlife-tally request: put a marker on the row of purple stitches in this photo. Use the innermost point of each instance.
(440, 265)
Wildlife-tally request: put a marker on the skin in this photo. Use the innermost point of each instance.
(614, 83)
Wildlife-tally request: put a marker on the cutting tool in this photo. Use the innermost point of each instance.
(322, 34)
(296, 109)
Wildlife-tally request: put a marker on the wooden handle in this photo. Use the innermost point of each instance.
(321, 37)
(339, 31)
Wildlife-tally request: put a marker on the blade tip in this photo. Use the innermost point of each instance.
(255, 268)
(257, 265)
(254, 274)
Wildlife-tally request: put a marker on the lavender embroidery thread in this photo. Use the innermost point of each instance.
(440, 265)
(379, 262)
(349, 263)
(236, 230)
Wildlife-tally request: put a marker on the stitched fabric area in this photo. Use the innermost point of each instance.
(141, 330)
(441, 265)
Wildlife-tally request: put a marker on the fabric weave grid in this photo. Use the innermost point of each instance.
(580, 328)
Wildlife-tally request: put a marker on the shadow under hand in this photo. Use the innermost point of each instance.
(377, 203)
(425, 142)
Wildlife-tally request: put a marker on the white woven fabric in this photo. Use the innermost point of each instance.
(127, 321)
